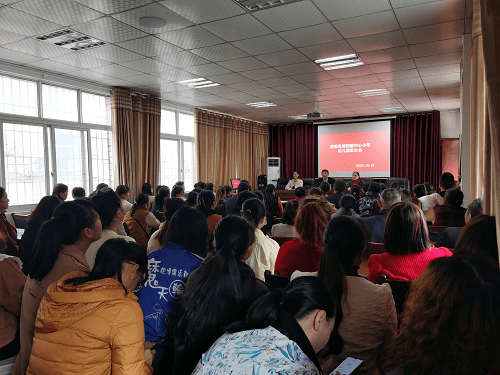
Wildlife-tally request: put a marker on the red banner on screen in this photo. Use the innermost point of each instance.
(363, 152)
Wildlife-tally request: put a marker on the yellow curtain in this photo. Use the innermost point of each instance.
(136, 134)
(490, 26)
(229, 147)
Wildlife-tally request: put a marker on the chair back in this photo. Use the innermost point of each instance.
(436, 228)
(400, 291)
(20, 221)
(308, 183)
(276, 281)
(375, 248)
(282, 182)
(403, 182)
(282, 240)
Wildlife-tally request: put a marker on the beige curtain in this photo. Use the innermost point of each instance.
(229, 147)
(136, 135)
(485, 97)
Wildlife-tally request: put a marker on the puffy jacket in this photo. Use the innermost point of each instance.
(93, 328)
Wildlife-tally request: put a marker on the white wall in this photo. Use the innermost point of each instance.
(450, 123)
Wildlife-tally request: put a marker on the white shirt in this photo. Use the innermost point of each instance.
(95, 246)
(292, 184)
(263, 257)
(152, 221)
(126, 205)
(283, 230)
(429, 201)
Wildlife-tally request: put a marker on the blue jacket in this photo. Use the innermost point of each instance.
(376, 224)
(169, 268)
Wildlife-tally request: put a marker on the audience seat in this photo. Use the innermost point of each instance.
(276, 281)
(282, 182)
(436, 228)
(375, 248)
(403, 182)
(400, 291)
(308, 183)
(20, 221)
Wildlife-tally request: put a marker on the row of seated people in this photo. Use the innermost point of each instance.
(225, 292)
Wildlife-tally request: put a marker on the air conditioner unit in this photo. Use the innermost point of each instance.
(273, 170)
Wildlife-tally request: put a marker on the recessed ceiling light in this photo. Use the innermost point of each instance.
(198, 83)
(376, 92)
(261, 104)
(152, 22)
(393, 109)
(300, 117)
(340, 62)
(253, 5)
(70, 39)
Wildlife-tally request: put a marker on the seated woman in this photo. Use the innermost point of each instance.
(303, 253)
(217, 294)
(287, 226)
(42, 212)
(160, 198)
(451, 322)
(368, 323)
(60, 191)
(148, 190)
(9, 231)
(94, 320)
(272, 201)
(406, 241)
(159, 238)
(206, 205)
(356, 180)
(451, 214)
(169, 268)
(282, 333)
(220, 199)
(11, 289)
(60, 248)
(124, 192)
(140, 221)
(265, 249)
(347, 204)
(295, 182)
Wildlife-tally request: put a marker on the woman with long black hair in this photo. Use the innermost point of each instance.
(206, 205)
(217, 294)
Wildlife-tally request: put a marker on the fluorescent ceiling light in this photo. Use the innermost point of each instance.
(393, 109)
(376, 92)
(301, 117)
(197, 83)
(261, 104)
(254, 5)
(340, 62)
(70, 39)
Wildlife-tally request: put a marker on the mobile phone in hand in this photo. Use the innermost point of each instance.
(348, 366)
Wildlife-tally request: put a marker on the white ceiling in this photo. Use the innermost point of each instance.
(411, 47)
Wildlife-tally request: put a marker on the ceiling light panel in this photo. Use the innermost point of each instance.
(254, 5)
(261, 104)
(198, 83)
(375, 92)
(340, 62)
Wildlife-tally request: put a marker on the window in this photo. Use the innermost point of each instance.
(188, 163)
(59, 103)
(70, 159)
(168, 122)
(18, 97)
(186, 125)
(102, 157)
(96, 109)
(24, 163)
(169, 162)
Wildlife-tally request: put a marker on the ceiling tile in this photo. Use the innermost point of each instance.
(278, 82)
(204, 11)
(312, 77)
(290, 16)
(359, 80)
(402, 74)
(384, 55)
(250, 85)
(228, 79)
(113, 53)
(244, 64)
(88, 75)
(430, 13)
(220, 52)
(403, 82)
(149, 46)
(322, 51)
(80, 60)
(311, 35)
(433, 33)
(261, 74)
(321, 85)
(182, 59)
(37, 48)
(191, 37)
(19, 22)
(7, 37)
(435, 60)
(63, 12)
(300, 68)
(174, 21)
(217, 90)
(235, 28)
(452, 77)
(115, 82)
(406, 88)
(292, 88)
(143, 79)
(263, 44)
(337, 10)
(290, 56)
(436, 48)
(377, 41)
(440, 69)
(207, 70)
(407, 3)
(116, 71)
(175, 75)
(392, 66)
(109, 30)
(53, 66)
(375, 23)
(264, 92)
(146, 65)
(351, 72)
(110, 7)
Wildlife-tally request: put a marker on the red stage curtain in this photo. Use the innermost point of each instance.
(296, 146)
(416, 143)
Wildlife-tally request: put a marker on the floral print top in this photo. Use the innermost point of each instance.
(255, 352)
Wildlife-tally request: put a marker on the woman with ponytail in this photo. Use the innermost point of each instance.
(206, 205)
(159, 238)
(217, 294)
(60, 248)
(367, 320)
(282, 332)
(140, 221)
(265, 249)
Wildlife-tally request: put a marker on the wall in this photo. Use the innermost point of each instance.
(450, 123)
(451, 155)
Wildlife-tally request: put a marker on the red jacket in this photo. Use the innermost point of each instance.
(297, 255)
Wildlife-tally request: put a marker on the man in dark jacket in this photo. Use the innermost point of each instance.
(376, 223)
(232, 203)
(339, 187)
(325, 178)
